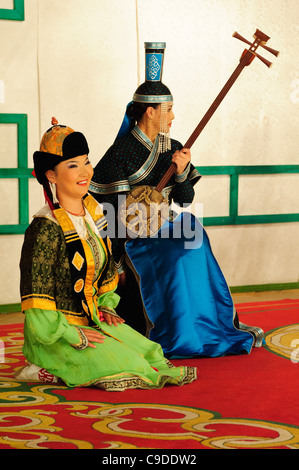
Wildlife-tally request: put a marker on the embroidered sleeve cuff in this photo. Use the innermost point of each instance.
(109, 310)
(183, 176)
(83, 340)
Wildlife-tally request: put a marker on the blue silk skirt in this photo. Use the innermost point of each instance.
(185, 294)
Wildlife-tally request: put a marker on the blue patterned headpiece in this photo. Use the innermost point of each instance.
(153, 90)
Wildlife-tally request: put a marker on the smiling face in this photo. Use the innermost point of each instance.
(72, 178)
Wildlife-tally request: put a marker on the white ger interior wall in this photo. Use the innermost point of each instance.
(81, 61)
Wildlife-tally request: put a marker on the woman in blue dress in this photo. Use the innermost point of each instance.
(171, 286)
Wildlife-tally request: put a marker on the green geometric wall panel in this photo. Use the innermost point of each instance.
(234, 173)
(17, 13)
(22, 173)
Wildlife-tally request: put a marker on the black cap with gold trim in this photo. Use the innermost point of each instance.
(59, 143)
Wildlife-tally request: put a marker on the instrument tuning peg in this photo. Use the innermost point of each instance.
(260, 40)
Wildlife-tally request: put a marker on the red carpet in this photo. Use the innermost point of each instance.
(237, 402)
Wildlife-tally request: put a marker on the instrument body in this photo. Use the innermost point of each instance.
(143, 212)
(144, 203)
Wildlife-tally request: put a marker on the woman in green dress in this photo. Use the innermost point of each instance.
(68, 281)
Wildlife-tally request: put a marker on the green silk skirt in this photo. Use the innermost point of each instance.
(125, 360)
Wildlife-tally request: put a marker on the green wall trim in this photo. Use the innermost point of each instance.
(16, 173)
(247, 170)
(250, 219)
(17, 13)
(10, 308)
(264, 287)
(13, 229)
(234, 172)
(22, 173)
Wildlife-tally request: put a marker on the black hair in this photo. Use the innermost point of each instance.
(49, 196)
(136, 110)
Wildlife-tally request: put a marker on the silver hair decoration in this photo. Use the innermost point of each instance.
(164, 134)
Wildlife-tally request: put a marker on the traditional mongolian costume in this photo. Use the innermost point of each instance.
(68, 280)
(186, 303)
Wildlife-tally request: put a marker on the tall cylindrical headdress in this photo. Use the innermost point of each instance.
(153, 90)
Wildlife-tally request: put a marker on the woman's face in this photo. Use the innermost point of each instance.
(168, 117)
(72, 177)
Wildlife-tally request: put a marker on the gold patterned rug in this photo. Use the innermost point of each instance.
(238, 402)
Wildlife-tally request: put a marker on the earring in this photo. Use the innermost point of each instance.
(53, 190)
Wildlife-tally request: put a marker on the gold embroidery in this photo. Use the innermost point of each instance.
(78, 261)
(79, 285)
(38, 301)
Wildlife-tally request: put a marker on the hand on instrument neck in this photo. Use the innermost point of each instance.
(181, 158)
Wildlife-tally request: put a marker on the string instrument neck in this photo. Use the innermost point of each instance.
(246, 58)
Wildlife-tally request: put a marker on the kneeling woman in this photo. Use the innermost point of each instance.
(68, 282)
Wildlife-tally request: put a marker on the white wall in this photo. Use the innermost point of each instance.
(81, 61)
